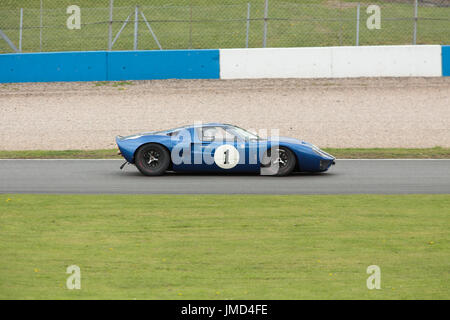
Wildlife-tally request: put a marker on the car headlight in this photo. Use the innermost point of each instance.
(320, 152)
(317, 151)
(132, 137)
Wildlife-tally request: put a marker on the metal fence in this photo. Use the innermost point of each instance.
(55, 25)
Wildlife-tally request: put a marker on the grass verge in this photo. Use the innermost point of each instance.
(348, 153)
(390, 153)
(61, 154)
(224, 247)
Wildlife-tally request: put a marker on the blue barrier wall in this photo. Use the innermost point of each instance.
(446, 61)
(104, 66)
(58, 66)
(132, 65)
(167, 64)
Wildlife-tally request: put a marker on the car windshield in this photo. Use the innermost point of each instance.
(244, 134)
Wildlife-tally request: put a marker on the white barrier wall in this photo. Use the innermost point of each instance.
(331, 62)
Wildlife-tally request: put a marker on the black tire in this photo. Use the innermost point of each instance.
(152, 159)
(286, 160)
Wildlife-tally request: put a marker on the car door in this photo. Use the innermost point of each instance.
(217, 149)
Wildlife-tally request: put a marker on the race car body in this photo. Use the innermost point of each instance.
(217, 147)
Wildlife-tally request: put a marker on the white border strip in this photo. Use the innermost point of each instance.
(332, 62)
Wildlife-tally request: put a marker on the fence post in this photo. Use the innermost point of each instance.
(40, 27)
(111, 6)
(136, 30)
(21, 28)
(121, 29)
(358, 11)
(248, 25)
(151, 31)
(415, 22)
(9, 42)
(266, 12)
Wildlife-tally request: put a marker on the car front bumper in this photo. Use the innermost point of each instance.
(325, 164)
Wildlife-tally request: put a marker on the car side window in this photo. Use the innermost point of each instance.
(215, 134)
(173, 134)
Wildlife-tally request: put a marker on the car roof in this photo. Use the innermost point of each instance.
(215, 124)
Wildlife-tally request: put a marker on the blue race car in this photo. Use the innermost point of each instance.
(217, 147)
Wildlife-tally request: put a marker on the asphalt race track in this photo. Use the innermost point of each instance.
(104, 177)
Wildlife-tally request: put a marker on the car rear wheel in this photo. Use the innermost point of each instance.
(281, 159)
(152, 159)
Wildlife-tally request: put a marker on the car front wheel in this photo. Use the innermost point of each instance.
(152, 159)
(281, 160)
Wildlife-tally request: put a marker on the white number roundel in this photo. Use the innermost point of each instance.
(226, 156)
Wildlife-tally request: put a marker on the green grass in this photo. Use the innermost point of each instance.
(389, 153)
(340, 153)
(293, 24)
(61, 154)
(224, 247)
